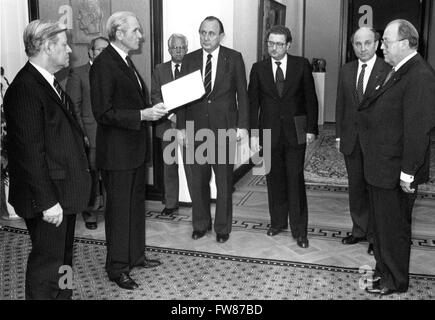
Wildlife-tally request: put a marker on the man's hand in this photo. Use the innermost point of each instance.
(54, 215)
(241, 134)
(87, 144)
(181, 137)
(310, 138)
(154, 113)
(255, 144)
(406, 187)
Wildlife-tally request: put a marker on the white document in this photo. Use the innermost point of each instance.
(183, 90)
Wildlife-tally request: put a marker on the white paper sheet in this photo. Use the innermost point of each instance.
(183, 90)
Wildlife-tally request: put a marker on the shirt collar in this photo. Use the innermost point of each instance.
(120, 52)
(47, 75)
(405, 60)
(283, 60)
(175, 63)
(370, 63)
(215, 53)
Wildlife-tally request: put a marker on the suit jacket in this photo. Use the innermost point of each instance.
(296, 112)
(347, 120)
(117, 99)
(227, 107)
(397, 121)
(161, 76)
(79, 90)
(47, 159)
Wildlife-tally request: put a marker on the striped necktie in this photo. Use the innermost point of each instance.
(207, 78)
(177, 71)
(360, 85)
(62, 95)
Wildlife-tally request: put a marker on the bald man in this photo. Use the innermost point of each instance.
(397, 122)
(358, 81)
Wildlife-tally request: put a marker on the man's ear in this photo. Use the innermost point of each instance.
(221, 37)
(47, 47)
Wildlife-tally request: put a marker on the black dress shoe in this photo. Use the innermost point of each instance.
(198, 234)
(384, 291)
(370, 250)
(273, 232)
(167, 211)
(221, 238)
(302, 242)
(91, 225)
(352, 240)
(148, 263)
(125, 282)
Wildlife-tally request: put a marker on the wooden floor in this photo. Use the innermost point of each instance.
(329, 221)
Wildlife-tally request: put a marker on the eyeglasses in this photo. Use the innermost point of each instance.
(387, 43)
(279, 45)
(178, 48)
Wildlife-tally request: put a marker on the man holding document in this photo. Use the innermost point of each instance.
(224, 107)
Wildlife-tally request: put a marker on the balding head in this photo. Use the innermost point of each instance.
(365, 42)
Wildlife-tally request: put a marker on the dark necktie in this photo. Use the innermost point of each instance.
(207, 78)
(360, 85)
(177, 71)
(279, 79)
(62, 95)
(389, 76)
(133, 68)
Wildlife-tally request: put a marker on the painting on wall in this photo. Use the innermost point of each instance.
(271, 13)
(90, 17)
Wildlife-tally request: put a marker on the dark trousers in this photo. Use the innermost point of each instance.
(200, 175)
(359, 203)
(170, 179)
(286, 188)
(52, 248)
(392, 214)
(124, 220)
(90, 215)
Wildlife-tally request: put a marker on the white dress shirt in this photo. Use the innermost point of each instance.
(368, 71)
(283, 66)
(214, 62)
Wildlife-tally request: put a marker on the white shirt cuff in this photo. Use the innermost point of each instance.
(337, 139)
(170, 116)
(406, 177)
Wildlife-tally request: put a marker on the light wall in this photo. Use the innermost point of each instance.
(322, 40)
(13, 20)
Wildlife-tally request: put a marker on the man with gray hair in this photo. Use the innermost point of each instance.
(164, 73)
(49, 173)
(120, 106)
(396, 125)
(358, 81)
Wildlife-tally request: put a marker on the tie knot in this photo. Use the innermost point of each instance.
(177, 66)
(364, 66)
(129, 62)
(209, 56)
(278, 64)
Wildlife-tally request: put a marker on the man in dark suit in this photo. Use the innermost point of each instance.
(395, 140)
(358, 80)
(120, 106)
(224, 106)
(283, 100)
(78, 89)
(163, 74)
(49, 173)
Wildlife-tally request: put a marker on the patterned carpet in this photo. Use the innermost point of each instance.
(187, 275)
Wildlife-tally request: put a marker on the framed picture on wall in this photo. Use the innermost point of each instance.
(271, 13)
(89, 19)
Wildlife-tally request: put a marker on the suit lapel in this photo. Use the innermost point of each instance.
(270, 77)
(220, 69)
(53, 95)
(126, 69)
(376, 79)
(352, 82)
(288, 76)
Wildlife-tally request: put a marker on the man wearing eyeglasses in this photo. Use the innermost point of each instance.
(164, 73)
(283, 99)
(358, 80)
(395, 139)
(78, 88)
